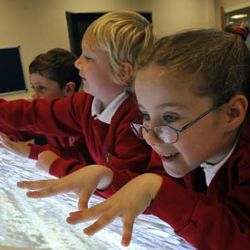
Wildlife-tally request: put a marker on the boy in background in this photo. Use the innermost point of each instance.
(52, 75)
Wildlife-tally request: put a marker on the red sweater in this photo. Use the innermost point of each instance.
(69, 147)
(66, 147)
(218, 218)
(211, 218)
(112, 145)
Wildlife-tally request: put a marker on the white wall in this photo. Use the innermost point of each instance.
(39, 25)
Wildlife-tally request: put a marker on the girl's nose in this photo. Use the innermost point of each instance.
(149, 134)
(151, 138)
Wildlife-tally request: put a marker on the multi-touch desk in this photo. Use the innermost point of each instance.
(40, 223)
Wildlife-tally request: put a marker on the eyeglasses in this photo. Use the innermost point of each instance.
(166, 133)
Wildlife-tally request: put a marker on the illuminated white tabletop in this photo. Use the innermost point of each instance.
(40, 223)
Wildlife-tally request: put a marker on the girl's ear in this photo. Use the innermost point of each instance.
(236, 110)
(124, 76)
(69, 89)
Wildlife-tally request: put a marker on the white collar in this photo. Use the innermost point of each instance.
(107, 114)
(211, 170)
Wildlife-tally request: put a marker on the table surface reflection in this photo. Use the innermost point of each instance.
(40, 223)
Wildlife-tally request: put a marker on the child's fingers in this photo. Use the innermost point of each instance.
(40, 194)
(77, 217)
(128, 223)
(87, 214)
(57, 186)
(83, 199)
(34, 185)
(104, 220)
(48, 188)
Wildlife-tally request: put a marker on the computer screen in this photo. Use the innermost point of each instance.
(11, 71)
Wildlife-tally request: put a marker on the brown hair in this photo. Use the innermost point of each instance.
(58, 65)
(221, 60)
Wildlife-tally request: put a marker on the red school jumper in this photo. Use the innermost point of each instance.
(67, 147)
(215, 218)
(111, 144)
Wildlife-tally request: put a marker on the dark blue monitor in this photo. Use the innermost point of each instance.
(11, 71)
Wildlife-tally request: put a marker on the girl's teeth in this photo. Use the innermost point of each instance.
(169, 155)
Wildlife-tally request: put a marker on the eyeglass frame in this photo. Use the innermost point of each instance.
(177, 131)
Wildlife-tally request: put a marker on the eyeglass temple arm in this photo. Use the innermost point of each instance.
(197, 119)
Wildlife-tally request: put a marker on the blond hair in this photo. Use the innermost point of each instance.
(124, 35)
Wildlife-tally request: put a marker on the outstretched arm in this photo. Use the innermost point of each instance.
(84, 182)
(131, 200)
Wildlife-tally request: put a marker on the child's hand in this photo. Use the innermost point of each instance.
(45, 160)
(83, 182)
(131, 200)
(20, 148)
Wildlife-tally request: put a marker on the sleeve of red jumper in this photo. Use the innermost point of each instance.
(14, 134)
(20, 136)
(203, 222)
(61, 167)
(76, 153)
(62, 117)
(66, 163)
(121, 177)
(35, 150)
(72, 159)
